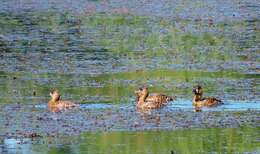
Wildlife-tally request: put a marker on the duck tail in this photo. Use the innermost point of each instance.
(219, 101)
(170, 98)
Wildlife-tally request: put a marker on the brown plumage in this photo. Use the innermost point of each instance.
(146, 101)
(56, 104)
(200, 101)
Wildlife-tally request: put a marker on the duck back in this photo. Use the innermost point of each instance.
(211, 101)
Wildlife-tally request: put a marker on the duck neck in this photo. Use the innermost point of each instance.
(141, 99)
(55, 99)
(196, 98)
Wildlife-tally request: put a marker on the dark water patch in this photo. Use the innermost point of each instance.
(230, 10)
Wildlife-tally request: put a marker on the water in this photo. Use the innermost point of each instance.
(229, 140)
(98, 52)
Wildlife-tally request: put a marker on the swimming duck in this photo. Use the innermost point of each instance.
(199, 101)
(146, 101)
(56, 104)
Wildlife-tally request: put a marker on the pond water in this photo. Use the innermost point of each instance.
(215, 140)
(98, 52)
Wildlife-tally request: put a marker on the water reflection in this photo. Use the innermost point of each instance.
(228, 140)
(12, 145)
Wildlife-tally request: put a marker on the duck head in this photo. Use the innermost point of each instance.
(55, 95)
(142, 93)
(197, 90)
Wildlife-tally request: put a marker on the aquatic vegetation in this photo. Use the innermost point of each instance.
(118, 87)
(117, 33)
(97, 53)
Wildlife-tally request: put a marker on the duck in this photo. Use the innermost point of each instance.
(154, 101)
(199, 101)
(56, 104)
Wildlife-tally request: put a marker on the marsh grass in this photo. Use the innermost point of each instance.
(118, 33)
